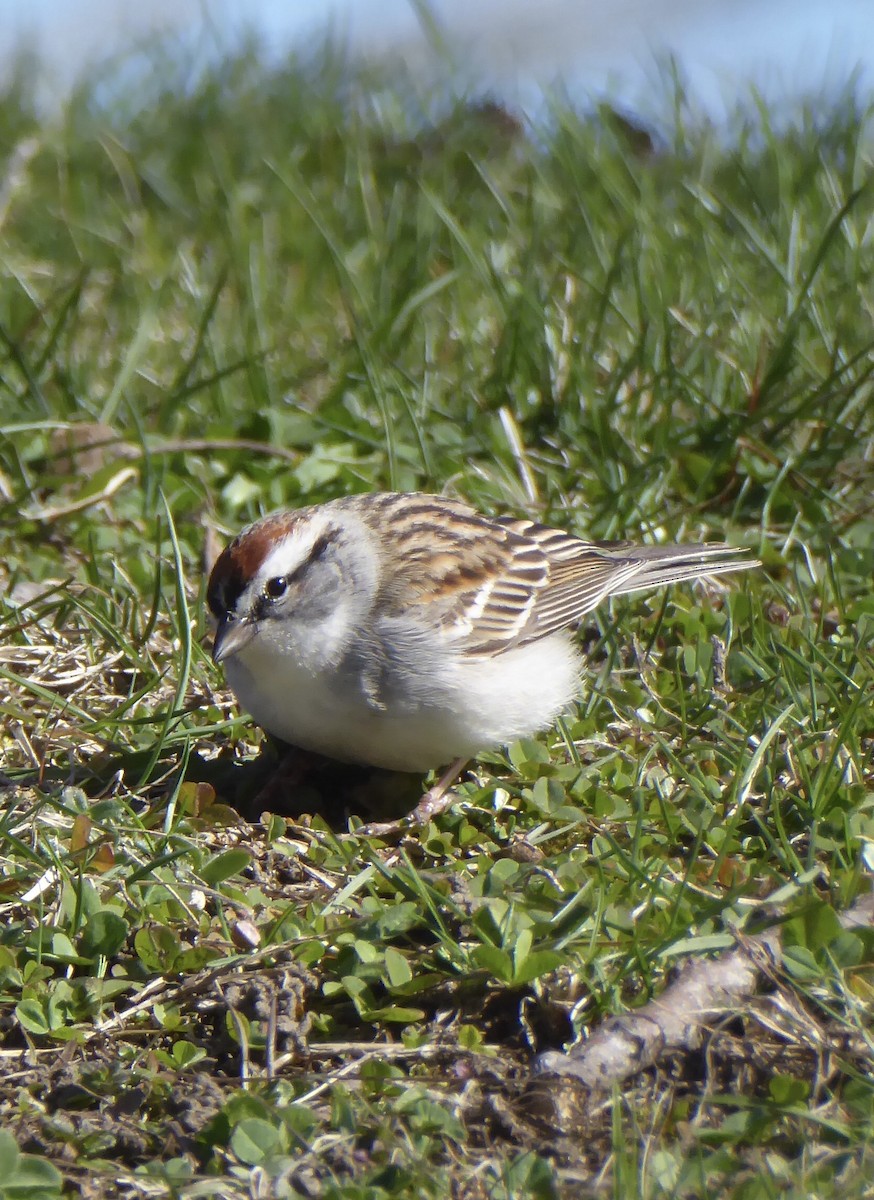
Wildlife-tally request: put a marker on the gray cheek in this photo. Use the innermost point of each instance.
(314, 597)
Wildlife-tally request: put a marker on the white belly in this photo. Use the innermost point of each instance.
(471, 705)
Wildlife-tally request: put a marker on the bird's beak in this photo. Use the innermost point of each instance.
(231, 636)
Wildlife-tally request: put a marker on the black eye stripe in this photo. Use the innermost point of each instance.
(320, 545)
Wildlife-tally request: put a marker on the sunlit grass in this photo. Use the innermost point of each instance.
(270, 289)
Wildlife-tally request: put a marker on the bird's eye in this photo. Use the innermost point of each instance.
(274, 588)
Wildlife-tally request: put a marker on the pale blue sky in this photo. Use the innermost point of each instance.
(507, 46)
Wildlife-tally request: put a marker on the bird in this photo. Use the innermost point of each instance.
(409, 631)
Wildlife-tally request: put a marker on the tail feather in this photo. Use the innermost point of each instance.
(662, 565)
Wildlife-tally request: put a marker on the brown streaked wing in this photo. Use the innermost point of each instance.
(583, 574)
(495, 583)
(579, 576)
(477, 578)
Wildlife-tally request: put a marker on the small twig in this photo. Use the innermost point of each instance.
(53, 512)
(718, 663)
(270, 1038)
(146, 999)
(705, 991)
(245, 1065)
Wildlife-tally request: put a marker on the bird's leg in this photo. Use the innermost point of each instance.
(438, 798)
(435, 801)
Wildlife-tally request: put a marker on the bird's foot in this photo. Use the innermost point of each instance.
(434, 802)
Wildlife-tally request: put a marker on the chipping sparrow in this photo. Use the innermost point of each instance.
(407, 630)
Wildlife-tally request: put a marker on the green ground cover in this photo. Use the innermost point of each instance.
(270, 288)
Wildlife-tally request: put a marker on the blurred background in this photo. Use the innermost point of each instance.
(514, 48)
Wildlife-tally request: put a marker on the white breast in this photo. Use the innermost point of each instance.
(454, 708)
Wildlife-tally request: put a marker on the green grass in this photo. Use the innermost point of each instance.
(273, 288)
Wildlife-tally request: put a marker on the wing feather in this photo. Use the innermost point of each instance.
(494, 583)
